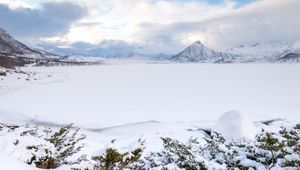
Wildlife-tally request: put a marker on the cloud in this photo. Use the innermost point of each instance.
(261, 21)
(53, 18)
(156, 25)
(108, 44)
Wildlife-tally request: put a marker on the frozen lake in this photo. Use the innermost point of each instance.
(109, 95)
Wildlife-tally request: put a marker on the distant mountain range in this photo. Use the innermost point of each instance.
(266, 52)
(124, 52)
(272, 51)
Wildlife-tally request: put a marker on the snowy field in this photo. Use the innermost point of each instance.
(131, 101)
(111, 95)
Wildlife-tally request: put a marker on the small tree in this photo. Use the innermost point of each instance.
(271, 149)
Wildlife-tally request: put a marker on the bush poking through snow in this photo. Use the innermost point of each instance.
(292, 147)
(269, 150)
(66, 142)
(175, 155)
(56, 148)
(113, 159)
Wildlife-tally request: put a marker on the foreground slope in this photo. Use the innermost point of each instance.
(177, 145)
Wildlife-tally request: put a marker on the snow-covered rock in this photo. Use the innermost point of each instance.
(2, 71)
(234, 125)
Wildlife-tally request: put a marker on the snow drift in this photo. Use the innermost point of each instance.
(234, 125)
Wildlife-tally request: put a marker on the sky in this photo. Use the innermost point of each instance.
(160, 26)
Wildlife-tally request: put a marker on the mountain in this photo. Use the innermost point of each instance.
(93, 52)
(259, 52)
(11, 47)
(112, 52)
(291, 55)
(197, 52)
(14, 53)
(270, 51)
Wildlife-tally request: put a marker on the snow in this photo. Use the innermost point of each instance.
(8, 163)
(197, 52)
(265, 50)
(259, 52)
(149, 101)
(97, 141)
(234, 125)
(2, 72)
(110, 95)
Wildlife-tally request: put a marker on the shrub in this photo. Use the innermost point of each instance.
(175, 155)
(271, 149)
(291, 151)
(113, 159)
(58, 147)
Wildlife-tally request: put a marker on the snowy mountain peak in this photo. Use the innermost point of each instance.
(271, 51)
(198, 43)
(197, 52)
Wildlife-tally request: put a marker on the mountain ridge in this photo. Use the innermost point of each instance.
(197, 52)
(270, 52)
(12, 47)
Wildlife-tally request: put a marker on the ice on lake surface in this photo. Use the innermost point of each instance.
(109, 95)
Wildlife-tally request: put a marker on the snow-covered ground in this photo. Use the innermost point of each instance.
(110, 95)
(130, 101)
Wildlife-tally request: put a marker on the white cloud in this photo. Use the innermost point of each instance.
(14, 4)
(169, 26)
(260, 21)
(121, 19)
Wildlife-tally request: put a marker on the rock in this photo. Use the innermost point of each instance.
(2, 71)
